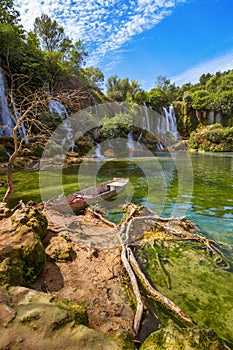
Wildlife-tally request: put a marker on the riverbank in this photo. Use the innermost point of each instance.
(70, 269)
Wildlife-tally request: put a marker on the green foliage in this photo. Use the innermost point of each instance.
(224, 103)
(92, 76)
(121, 89)
(7, 12)
(3, 154)
(157, 99)
(200, 100)
(51, 35)
(118, 126)
(214, 138)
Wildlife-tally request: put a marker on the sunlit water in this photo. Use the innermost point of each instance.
(199, 186)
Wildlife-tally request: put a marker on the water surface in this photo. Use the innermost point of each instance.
(199, 186)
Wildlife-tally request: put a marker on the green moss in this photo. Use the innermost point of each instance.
(174, 337)
(194, 279)
(3, 154)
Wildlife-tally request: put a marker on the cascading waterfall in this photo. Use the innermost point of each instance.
(167, 122)
(147, 119)
(55, 107)
(130, 141)
(98, 151)
(68, 140)
(7, 119)
(214, 118)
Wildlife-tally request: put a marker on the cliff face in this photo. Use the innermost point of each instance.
(188, 119)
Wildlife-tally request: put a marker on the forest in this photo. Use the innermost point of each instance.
(46, 62)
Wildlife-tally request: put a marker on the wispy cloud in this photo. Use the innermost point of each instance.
(103, 25)
(192, 75)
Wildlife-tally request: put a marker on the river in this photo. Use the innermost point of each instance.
(199, 186)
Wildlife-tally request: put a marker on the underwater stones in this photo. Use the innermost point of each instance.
(174, 337)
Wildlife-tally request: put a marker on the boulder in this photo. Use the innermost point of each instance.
(34, 320)
(60, 249)
(22, 254)
(174, 337)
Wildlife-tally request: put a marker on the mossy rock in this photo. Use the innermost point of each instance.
(34, 320)
(197, 279)
(5, 212)
(22, 254)
(174, 337)
(32, 218)
(3, 154)
(60, 249)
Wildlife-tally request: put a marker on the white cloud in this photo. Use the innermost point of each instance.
(192, 75)
(103, 25)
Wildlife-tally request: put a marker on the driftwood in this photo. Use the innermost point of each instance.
(157, 296)
(133, 280)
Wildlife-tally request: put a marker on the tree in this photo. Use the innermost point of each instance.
(51, 35)
(26, 113)
(200, 100)
(121, 89)
(7, 12)
(93, 77)
(157, 99)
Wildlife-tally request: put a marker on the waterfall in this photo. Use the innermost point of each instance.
(130, 141)
(69, 138)
(211, 117)
(214, 118)
(55, 107)
(98, 151)
(167, 122)
(147, 118)
(7, 119)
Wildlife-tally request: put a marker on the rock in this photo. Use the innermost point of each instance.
(35, 320)
(59, 249)
(5, 212)
(33, 218)
(173, 337)
(22, 254)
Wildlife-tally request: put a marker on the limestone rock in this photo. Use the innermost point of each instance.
(59, 249)
(22, 254)
(5, 212)
(35, 320)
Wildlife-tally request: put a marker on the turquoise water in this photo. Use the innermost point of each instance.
(199, 186)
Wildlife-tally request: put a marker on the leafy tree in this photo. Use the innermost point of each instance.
(200, 100)
(51, 35)
(121, 89)
(157, 99)
(7, 12)
(224, 103)
(203, 79)
(93, 77)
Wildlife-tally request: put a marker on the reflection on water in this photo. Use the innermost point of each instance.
(171, 185)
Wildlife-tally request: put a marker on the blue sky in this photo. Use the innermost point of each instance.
(142, 39)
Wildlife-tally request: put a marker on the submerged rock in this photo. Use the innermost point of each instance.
(174, 337)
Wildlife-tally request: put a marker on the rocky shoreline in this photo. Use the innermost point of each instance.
(63, 285)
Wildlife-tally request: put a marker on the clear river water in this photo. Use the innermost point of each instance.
(199, 186)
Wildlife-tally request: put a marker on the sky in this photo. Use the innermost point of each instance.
(144, 39)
